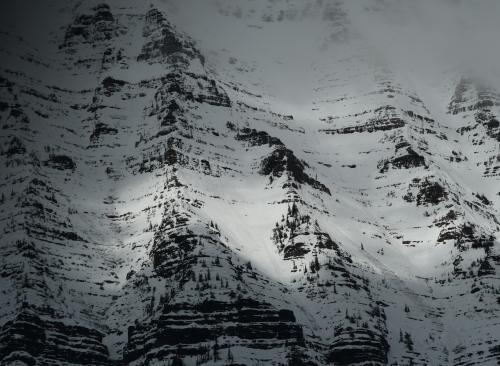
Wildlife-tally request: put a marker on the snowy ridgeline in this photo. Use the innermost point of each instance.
(247, 183)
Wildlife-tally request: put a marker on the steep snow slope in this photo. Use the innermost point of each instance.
(244, 183)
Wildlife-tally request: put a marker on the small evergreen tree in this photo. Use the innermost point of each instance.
(408, 341)
(229, 356)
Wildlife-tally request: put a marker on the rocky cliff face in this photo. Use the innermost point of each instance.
(161, 207)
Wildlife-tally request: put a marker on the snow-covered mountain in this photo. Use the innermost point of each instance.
(235, 182)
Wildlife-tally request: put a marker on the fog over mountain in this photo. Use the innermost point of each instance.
(250, 182)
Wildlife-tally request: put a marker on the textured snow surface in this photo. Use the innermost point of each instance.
(235, 182)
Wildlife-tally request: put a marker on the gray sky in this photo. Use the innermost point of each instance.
(422, 36)
(425, 37)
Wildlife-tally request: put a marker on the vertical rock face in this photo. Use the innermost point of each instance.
(160, 206)
(162, 42)
(30, 340)
(478, 105)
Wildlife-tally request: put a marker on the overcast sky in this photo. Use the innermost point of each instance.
(422, 36)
